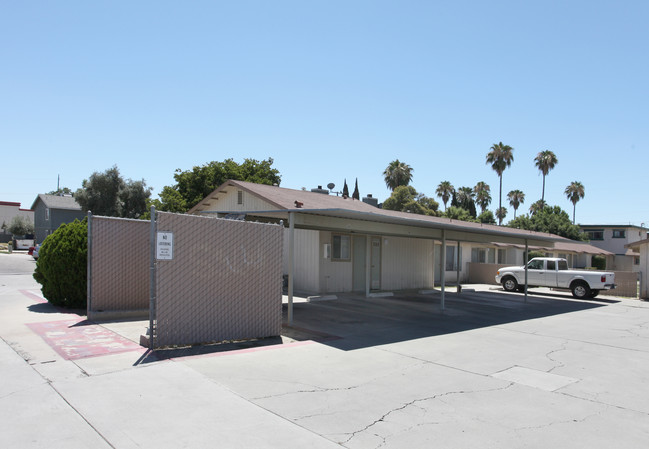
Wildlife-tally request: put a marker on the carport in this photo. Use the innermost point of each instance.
(399, 224)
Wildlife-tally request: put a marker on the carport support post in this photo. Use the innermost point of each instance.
(291, 257)
(459, 264)
(443, 266)
(368, 263)
(525, 260)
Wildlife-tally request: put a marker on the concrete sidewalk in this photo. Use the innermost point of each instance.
(391, 372)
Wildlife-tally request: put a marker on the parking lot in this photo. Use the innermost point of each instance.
(491, 370)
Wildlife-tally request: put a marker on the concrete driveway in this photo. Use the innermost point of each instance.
(489, 371)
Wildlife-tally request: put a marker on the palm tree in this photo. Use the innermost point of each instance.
(545, 161)
(574, 192)
(397, 174)
(445, 190)
(500, 157)
(515, 198)
(501, 213)
(537, 207)
(482, 193)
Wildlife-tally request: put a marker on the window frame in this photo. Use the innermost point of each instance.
(621, 233)
(341, 238)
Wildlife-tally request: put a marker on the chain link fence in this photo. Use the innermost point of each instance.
(211, 280)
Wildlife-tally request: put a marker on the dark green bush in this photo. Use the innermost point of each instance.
(599, 262)
(61, 268)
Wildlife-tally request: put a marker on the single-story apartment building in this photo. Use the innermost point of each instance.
(338, 244)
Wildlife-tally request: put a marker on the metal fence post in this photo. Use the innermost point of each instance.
(152, 279)
(89, 268)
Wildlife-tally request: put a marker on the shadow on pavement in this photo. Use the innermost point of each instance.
(360, 322)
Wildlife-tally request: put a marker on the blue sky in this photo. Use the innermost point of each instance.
(331, 90)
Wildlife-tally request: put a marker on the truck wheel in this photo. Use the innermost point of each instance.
(580, 290)
(510, 284)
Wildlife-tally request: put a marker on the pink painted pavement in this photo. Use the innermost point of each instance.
(77, 339)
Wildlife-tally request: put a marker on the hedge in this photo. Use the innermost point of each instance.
(61, 268)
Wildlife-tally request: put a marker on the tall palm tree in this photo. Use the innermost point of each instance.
(500, 157)
(482, 193)
(445, 190)
(574, 192)
(397, 174)
(515, 198)
(545, 161)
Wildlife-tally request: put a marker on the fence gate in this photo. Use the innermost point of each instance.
(215, 280)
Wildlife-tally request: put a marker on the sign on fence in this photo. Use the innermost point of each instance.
(165, 246)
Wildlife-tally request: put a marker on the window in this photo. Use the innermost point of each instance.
(341, 247)
(47, 213)
(478, 255)
(636, 261)
(619, 234)
(240, 197)
(535, 265)
(491, 255)
(563, 265)
(502, 256)
(551, 265)
(451, 258)
(597, 234)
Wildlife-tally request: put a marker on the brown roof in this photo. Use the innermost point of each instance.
(637, 244)
(318, 203)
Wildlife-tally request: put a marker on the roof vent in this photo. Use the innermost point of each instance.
(320, 190)
(299, 204)
(369, 199)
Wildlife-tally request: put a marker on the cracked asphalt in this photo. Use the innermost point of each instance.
(490, 371)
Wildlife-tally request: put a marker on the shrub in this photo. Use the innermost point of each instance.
(61, 268)
(599, 262)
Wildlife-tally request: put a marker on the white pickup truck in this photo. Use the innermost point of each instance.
(554, 272)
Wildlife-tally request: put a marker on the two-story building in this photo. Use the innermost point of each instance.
(615, 238)
(51, 211)
(9, 210)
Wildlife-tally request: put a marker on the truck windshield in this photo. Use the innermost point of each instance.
(563, 265)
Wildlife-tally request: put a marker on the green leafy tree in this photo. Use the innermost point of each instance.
(194, 185)
(482, 194)
(61, 191)
(397, 174)
(445, 191)
(515, 198)
(20, 226)
(110, 195)
(574, 192)
(545, 161)
(551, 220)
(458, 213)
(500, 157)
(487, 217)
(406, 199)
(62, 265)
